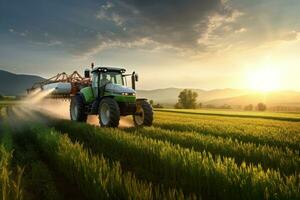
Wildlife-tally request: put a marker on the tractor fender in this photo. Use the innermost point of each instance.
(110, 96)
(80, 94)
(88, 94)
(141, 99)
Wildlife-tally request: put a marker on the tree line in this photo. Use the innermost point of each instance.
(187, 99)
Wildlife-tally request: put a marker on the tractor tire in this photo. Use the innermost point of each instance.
(145, 116)
(77, 109)
(109, 113)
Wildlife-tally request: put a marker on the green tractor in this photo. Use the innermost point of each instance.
(107, 95)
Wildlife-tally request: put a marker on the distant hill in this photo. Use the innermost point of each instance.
(220, 97)
(278, 98)
(170, 95)
(16, 84)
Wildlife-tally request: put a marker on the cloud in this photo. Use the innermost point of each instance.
(262, 24)
(186, 26)
(241, 30)
(22, 34)
(289, 36)
(49, 43)
(172, 22)
(89, 27)
(105, 14)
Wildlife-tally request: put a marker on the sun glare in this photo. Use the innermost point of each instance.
(264, 79)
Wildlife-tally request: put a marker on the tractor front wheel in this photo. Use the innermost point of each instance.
(77, 109)
(144, 114)
(109, 113)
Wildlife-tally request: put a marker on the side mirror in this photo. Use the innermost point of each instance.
(136, 77)
(87, 73)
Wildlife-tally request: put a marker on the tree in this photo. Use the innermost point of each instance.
(210, 106)
(1, 97)
(158, 105)
(187, 99)
(178, 106)
(151, 102)
(155, 105)
(200, 105)
(261, 107)
(225, 106)
(249, 107)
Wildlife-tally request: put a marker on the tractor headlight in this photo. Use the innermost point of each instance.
(127, 94)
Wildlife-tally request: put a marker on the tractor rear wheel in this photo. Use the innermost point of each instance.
(144, 114)
(109, 113)
(77, 109)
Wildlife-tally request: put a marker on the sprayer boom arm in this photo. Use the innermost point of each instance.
(64, 85)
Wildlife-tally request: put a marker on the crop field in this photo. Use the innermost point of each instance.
(184, 155)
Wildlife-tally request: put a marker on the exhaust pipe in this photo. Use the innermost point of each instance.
(133, 80)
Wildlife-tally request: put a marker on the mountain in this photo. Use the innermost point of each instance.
(164, 96)
(170, 95)
(16, 84)
(278, 98)
(220, 97)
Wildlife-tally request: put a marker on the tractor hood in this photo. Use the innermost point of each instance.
(119, 89)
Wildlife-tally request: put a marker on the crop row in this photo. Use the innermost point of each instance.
(95, 176)
(269, 157)
(194, 172)
(277, 127)
(39, 180)
(285, 136)
(2, 110)
(10, 181)
(237, 114)
(231, 121)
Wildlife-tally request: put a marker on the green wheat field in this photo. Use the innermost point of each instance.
(185, 155)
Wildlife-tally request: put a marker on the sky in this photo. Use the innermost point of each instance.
(205, 44)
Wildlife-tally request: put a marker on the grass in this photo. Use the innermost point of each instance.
(9, 102)
(10, 181)
(198, 172)
(96, 177)
(240, 114)
(38, 179)
(269, 157)
(31, 181)
(185, 155)
(281, 134)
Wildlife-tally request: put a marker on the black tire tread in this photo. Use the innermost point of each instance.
(82, 116)
(148, 113)
(114, 112)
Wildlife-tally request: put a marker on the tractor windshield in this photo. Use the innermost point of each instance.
(111, 77)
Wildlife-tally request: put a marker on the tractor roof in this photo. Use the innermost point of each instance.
(107, 69)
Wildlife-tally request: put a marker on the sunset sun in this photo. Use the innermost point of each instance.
(264, 79)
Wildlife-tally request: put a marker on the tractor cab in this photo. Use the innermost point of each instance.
(103, 77)
(106, 75)
(111, 81)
